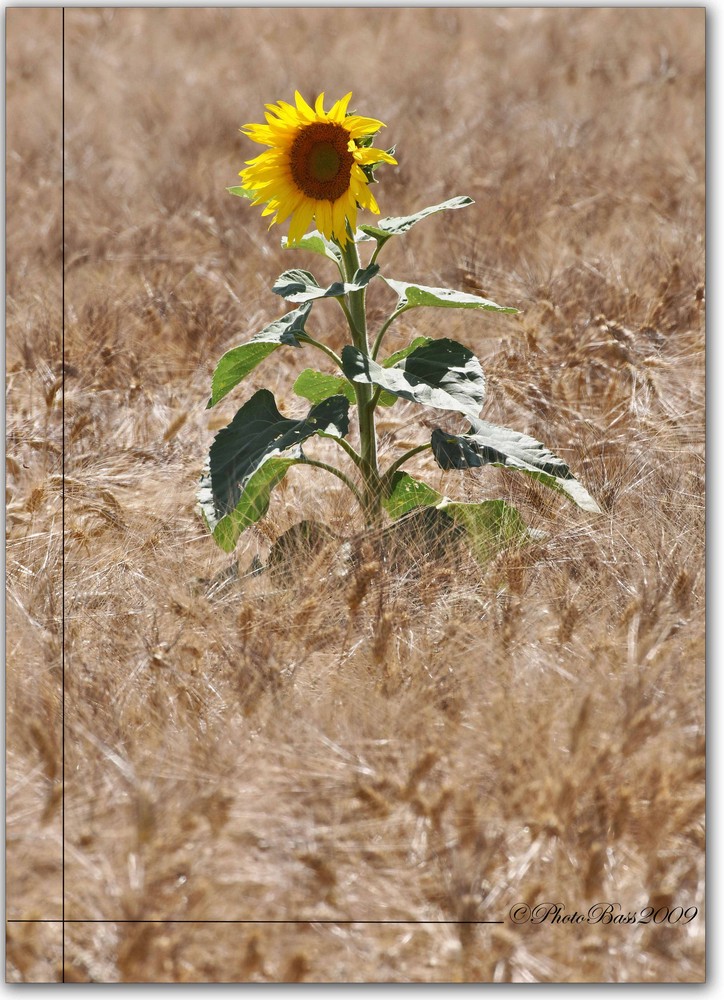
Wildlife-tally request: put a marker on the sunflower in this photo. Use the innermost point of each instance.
(314, 168)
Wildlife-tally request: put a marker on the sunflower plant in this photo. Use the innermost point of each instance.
(317, 170)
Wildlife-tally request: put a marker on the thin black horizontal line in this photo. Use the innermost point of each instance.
(306, 920)
(33, 920)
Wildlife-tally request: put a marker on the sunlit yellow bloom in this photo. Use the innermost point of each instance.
(313, 168)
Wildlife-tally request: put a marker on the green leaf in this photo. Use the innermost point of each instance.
(397, 225)
(399, 355)
(411, 295)
(406, 494)
(253, 503)
(317, 386)
(490, 525)
(242, 192)
(236, 364)
(252, 454)
(302, 286)
(442, 374)
(488, 444)
(317, 243)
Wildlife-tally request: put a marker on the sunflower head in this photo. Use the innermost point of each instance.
(317, 167)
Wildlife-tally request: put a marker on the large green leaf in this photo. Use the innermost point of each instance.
(397, 225)
(405, 494)
(236, 364)
(302, 286)
(317, 243)
(399, 355)
(316, 386)
(411, 295)
(488, 444)
(441, 373)
(250, 456)
(490, 525)
(252, 505)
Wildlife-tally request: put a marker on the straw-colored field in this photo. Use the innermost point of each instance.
(382, 749)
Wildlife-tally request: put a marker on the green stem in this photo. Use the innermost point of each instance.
(356, 337)
(385, 326)
(375, 255)
(340, 475)
(368, 437)
(402, 459)
(356, 458)
(306, 339)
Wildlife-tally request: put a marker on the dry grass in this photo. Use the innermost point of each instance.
(415, 742)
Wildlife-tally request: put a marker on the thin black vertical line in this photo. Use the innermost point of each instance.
(62, 490)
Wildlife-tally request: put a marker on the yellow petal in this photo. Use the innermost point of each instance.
(301, 221)
(371, 155)
(339, 215)
(357, 126)
(303, 108)
(324, 218)
(339, 108)
(319, 105)
(259, 133)
(287, 207)
(288, 113)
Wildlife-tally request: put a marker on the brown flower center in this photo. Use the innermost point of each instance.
(320, 162)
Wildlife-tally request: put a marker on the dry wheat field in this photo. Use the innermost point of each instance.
(358, 760)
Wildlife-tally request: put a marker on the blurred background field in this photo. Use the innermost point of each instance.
(409, 742)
